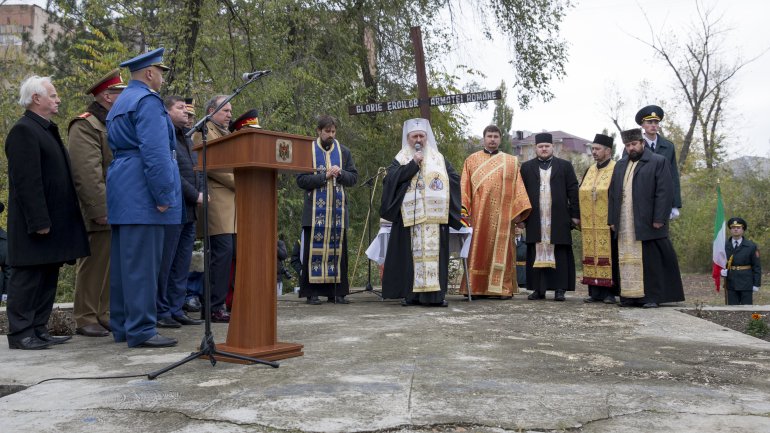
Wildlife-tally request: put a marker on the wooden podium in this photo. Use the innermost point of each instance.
(256, 156)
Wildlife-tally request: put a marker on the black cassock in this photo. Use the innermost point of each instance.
(398, 272)
(565, 205)
(652, 196)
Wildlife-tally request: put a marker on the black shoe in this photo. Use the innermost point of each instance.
(590, 300)
(48, 338)
(313, 300)
(609, 300)
(192, 305)
(167, 322)
(220, 316)
(443, 303)
(650, 305)
(559, 296)
(534, 296)
(405, 303)
(29, 343)
(626, 304)
(341, 300)
(159, 341)
(184, 319)
(506, 298)
(92, 330)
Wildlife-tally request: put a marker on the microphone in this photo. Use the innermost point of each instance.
(417, 147)
(256, 74)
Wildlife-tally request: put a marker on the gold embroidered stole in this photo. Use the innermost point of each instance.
(424, 209)
(544, 250)
(597, 237)
(629, 249)
(328, 231)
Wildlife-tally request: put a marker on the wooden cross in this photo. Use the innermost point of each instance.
(423, 101)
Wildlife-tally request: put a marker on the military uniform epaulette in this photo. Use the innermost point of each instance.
(85, 115)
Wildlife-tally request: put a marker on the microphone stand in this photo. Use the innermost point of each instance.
(370, 183)
(207, 347)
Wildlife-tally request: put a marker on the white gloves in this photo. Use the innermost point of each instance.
(674, 213)
(723, 272)
(755, 288)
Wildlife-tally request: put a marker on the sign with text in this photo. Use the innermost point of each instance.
(404, 104)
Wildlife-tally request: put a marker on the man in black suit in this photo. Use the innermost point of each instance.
(649, 119)
(552, 188)
(639, 209)
(744, 270)
(45, 226)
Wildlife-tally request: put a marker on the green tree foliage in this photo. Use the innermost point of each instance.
(325, 55)
(745, 194)
(503, 118)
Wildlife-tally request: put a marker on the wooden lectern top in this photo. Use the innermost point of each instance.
(251, 147)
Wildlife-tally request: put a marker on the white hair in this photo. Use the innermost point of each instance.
(31, 86)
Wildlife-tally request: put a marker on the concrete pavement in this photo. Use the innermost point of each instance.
(484, 366)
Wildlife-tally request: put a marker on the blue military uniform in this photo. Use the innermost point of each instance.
(142, 177)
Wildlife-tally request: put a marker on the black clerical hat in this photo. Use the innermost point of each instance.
(604, 140)
(631, 135)
(650, 112)
(737, 221)
(543, 137)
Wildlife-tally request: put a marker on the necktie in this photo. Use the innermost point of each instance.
(735, 244)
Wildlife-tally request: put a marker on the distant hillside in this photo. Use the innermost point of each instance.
(758, 165)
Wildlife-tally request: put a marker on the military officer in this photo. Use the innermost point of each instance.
(90, 156)
(744, 271)
(143, 195)
(649, 119)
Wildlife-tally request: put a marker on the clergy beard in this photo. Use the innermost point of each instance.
(327, 143)
(635, 156)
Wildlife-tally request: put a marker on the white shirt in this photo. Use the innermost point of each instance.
(650, 143)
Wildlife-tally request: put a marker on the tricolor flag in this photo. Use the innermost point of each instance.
(719, 256)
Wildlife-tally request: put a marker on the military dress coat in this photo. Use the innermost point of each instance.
(41, 195)
(743, 280)
(143, 174)
(91, 156)
(666, 149)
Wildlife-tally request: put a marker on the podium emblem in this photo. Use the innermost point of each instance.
(283, 152)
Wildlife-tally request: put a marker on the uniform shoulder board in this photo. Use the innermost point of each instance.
(85, 115)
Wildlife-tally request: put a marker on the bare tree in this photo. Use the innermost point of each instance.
(614, 104)
(702, 69)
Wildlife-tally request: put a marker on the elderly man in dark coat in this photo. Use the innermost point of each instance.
(552, 187)
(45, 227)
(641, 193)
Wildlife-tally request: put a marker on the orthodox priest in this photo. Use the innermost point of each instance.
(325, 217)
(600, 249)
(641, 193)
(552, 187)
(421, 197)
(494, 200)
